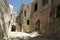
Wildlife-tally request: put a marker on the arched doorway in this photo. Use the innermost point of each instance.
(38, 25)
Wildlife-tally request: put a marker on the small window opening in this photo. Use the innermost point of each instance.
(27, 22)
(25, 13)
(58, 11)
(35, 7)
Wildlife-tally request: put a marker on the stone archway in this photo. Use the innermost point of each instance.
(38, 25)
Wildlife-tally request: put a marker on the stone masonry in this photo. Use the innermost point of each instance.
(41, 14)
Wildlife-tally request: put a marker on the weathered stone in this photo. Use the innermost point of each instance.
(46, 14)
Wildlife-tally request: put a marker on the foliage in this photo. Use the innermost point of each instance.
(21, 8)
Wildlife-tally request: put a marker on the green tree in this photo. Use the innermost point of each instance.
(21, 8)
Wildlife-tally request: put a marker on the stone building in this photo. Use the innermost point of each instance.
(13, 22)
(26, 19)
(23, 19)
(26, 24)
(46, 16)
(13, 25)
(41, 15)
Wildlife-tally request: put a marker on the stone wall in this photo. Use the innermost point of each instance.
(49, 24)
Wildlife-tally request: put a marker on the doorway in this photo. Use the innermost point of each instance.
(13, 28)
(38, 25)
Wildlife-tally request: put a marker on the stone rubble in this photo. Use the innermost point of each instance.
(23, 35)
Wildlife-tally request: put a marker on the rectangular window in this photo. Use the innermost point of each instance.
(25, 13)
(45, 2)
(35, 7)
(58, 11)
(27, 22)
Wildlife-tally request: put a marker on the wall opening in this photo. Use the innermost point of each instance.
(25, 13)
(58, 11)
(13, 28)
(35, 6)
(28, 22)
(38, 25)
(9, 22)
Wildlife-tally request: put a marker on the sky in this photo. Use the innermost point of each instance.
(17, 3)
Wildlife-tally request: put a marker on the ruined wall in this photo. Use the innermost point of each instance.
(54, 20)
(26, 16)
(49, 24)
(42, 14)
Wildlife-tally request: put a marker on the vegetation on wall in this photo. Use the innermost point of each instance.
(21, 8)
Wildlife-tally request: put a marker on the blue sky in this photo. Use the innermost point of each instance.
(17, 3)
